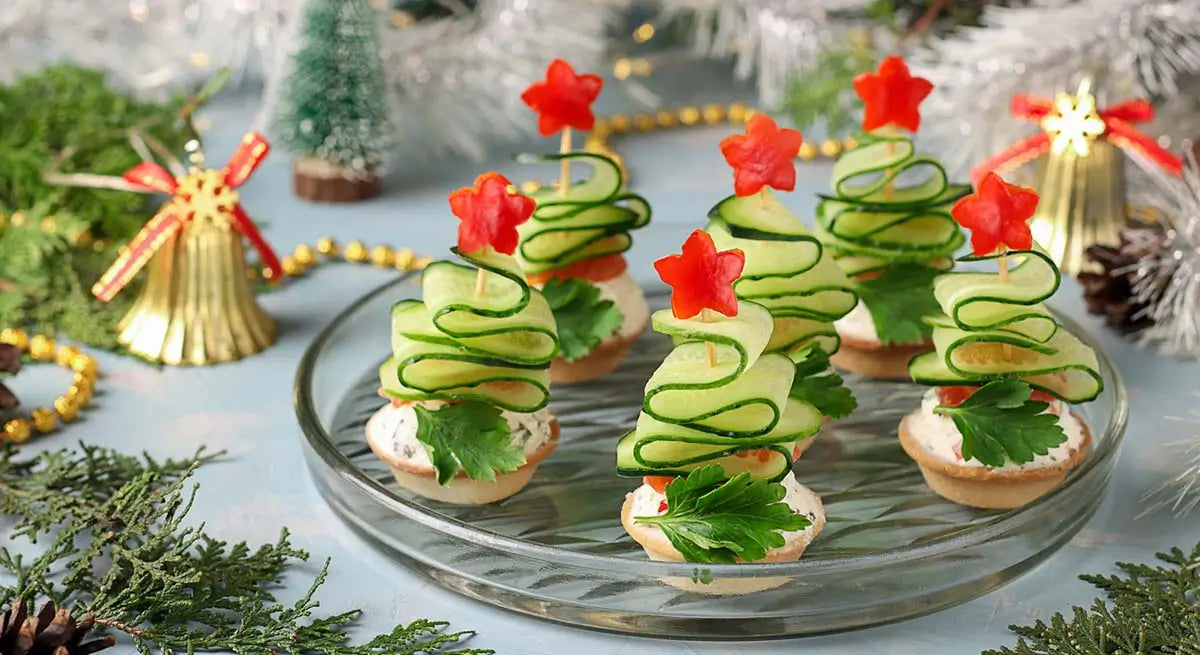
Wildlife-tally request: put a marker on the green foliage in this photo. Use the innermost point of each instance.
(47, 269)
(1000, 423)
(333, 103)
(114, 543)
(819, 385)
(583, 319)
(826, 94)
(1150, 610)
(711, 520)
(899, 299)
(470, 436)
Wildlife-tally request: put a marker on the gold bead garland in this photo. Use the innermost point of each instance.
(66, 407)
(304, 257)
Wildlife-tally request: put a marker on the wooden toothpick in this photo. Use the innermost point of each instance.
(564, 147)
(709, 348)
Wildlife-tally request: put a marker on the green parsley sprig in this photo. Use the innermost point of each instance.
(584, 320)
(470, 436)
(819, 385)
(999, 423)
(899, 299)
(711, 520)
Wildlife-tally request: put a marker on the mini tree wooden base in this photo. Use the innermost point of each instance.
(317, 180)
(197, 306)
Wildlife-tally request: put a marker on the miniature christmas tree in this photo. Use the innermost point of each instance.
(333, 111)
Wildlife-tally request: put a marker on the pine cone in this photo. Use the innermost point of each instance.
(10, 362)
(1111, 293)
(51, 632)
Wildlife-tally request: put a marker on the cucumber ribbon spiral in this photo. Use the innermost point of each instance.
(786, 271)
(889, 205)
(592, 219)
(995, 329)
(495, 347)
(695, 415)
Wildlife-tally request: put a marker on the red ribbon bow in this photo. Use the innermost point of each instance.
(198, 194)
(1118, 129)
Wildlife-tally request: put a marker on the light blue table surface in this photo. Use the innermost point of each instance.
(246, 409)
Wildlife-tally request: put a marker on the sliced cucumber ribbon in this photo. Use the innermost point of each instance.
(695, 414)
(889, 205)
(454, 345)
(993, 329)
(786, 271)
(592, 219)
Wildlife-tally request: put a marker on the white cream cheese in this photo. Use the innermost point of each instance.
(859, 325)
(394, 428)
(802, 500)
(937, 435)
(627, 296)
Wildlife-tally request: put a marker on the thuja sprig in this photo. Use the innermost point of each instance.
(110, 538)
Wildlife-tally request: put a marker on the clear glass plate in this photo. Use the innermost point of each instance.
(891, 549)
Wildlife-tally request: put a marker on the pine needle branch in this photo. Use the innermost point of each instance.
(116, 544)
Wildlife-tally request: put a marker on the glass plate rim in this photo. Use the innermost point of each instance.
(323, 446)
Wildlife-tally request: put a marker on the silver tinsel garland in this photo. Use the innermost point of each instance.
(777, 40)
(1131, 48)
(1179, 493)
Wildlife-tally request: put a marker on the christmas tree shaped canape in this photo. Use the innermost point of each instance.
(468, 378)
(572, 248)
(786, 268)
(888, 224)
(996, 431)
(717, 432)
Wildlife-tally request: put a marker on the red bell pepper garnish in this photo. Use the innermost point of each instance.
(563, 99)
(701, 278)
(763, 156)
(891, 95)
(658, 482)
(997, 214)
(490, 214)
(955, 395)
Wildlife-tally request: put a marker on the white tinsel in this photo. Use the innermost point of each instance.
(777, 39)
(1181, 492)
(1130, 47)
(1168, 279)
(151, 47)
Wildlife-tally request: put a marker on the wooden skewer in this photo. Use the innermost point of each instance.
(888, 188)
(762, 198)
(709, 348)
(1003, 261)
(564, 147)
(480, 283)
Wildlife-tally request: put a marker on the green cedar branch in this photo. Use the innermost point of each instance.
(711, 520)
(1147, 609)
(817, 384)
(898, 299)
(584, 320)
(114, 542)
(469, 436)
(999, 423)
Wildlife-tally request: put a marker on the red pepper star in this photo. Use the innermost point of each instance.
(563, 99)
(998, 215)
(891, 96)
(490, 214)
(701, 278)
(762, 156)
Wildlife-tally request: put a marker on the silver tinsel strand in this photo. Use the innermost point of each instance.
(150, 47)
(777, 40)
(1130, 47)
(1168, 280)
(1181, 492)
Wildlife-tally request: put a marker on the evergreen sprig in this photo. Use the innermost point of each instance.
(1147, 609)
(116, 544)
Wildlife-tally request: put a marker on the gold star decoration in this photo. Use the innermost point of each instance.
(1074, 123)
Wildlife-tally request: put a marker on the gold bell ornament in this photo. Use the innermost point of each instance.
(197, 306)
(1080, 176)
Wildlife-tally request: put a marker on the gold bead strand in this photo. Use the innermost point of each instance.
(66, 408)
(304, 257)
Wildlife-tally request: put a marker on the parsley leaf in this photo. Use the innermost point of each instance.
(583, 319)
(470, 436)
(711, 522)
(898, 299)
(999, 422)
(819, 385)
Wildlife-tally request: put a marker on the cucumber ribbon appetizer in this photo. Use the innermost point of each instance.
(579, 230)
(887, 221)
(480, 334)
(994, 330)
